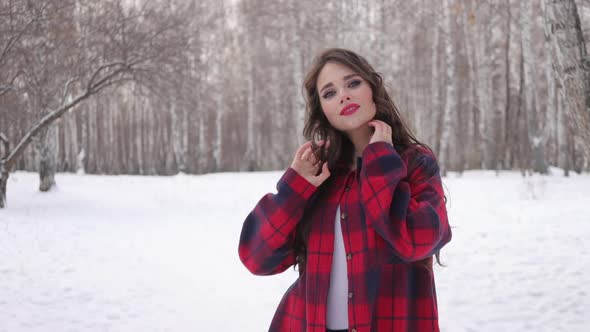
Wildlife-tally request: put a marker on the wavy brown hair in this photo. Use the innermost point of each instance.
(341, 149)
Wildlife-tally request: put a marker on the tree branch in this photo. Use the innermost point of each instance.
(12, 41)
(10, 86)
(91, 89)
(99, 70)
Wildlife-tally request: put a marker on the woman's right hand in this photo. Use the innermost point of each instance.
(306, 164)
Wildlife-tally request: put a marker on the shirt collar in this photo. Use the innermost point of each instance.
(342, 166)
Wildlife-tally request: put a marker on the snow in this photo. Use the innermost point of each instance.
(130, 253)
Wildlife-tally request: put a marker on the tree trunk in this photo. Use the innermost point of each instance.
(46, 152)
(177, 136)
(571, 64)
(483, 88)
(434, 85)
(250, 159)
(535, 134)
(450, 100)
(3, 181)
(498, 83)
(3, 170)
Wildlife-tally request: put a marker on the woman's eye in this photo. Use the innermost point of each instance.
(328, 94)
(354, 83)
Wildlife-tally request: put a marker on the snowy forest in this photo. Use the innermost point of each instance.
(137, 136)
(160, 87)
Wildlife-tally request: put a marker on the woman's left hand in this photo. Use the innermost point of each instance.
(382, 132)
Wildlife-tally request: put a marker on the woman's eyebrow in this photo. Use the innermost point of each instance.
(344, 79)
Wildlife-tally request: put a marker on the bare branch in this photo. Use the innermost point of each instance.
(105, 81)
(92, 88)
(10, 160)
(5, 89)
(99, 71)
(13, 40)
(10, 86)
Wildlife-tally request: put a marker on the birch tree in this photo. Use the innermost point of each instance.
(450, 99)
(231, 97)
(571, 64)
(534, 129)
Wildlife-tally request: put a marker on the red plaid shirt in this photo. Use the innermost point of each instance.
(390, 221)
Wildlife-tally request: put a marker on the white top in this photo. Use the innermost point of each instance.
(337, 315)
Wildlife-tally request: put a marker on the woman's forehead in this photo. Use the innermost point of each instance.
(334, 72)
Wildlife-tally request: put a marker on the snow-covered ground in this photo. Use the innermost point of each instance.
(129, 253)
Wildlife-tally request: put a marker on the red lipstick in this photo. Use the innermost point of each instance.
(349, 109)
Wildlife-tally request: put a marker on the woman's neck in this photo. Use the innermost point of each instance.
(360, 138)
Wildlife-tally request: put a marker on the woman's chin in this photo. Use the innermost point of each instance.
(356, 129)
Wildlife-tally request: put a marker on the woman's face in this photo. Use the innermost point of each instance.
(346, 98)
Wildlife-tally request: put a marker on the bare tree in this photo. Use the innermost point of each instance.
(15, 23)
(131, 49)
(230, 98)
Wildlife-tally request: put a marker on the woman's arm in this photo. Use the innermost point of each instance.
(268, 233)
(412, 220)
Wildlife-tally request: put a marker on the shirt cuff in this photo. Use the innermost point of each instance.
(298, 183)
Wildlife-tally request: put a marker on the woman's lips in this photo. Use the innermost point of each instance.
(349, 109)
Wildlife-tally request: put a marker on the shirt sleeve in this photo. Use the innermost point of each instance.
(268, 233)
(409, 214)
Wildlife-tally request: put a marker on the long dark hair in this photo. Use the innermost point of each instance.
(341, 149)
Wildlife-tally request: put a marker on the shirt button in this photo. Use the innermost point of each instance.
(343, 215)
(347, 188)
(349, 256)
(350, 295)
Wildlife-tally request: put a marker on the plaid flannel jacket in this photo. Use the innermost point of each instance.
(392, 222)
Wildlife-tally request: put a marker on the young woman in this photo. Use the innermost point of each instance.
(361, 211)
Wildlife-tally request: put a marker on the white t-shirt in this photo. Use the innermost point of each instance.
(337, 315)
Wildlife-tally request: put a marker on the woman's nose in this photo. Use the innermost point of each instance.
(344, 98)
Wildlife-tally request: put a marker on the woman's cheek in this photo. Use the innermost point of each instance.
(329, 111)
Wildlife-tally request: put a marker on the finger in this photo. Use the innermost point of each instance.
(312, 158)
(319, 144)
(315, 168)
(301, 149)
(386, 127)
(305, 155)
(376, 127)
(382, 127)
(383, 123)
(324, 174)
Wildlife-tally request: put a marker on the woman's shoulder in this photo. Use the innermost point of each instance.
(419, 159)
(417, 151)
